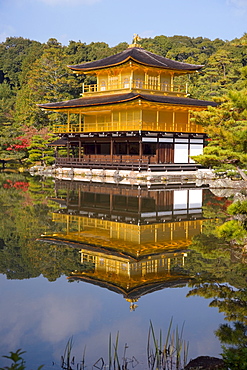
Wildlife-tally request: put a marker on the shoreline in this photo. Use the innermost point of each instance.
(200, 177)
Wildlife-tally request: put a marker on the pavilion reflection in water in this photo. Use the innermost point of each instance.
(131, 240)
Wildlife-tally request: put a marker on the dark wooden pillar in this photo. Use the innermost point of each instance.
(140, 149)
(139, 205)
(79, 197)
(111, 202)
(79, 151)
(68, 149)
(111, 149)
(158, 151)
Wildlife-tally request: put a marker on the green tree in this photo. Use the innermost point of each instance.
(16, 52)
(235, 353)
(25, 215)
(12, 145)
(39, 151)
(226, 126)
(48, 80)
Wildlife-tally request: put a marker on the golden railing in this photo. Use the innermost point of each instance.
(127, 126)
(137, 84)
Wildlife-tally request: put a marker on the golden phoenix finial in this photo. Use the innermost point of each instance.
(136, 38)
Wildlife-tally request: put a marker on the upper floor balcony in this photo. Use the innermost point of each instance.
(132, 125)
(135, 85)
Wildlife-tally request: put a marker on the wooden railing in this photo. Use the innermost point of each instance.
(136, 84)
(123, 162)
(101, 161)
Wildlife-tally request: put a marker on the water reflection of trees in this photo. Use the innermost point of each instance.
(222, 278)
(25, 214)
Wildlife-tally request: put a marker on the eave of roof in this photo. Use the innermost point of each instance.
(123, 98)
(138, 55)
(83, 244)
(136, 291)
(58, 142)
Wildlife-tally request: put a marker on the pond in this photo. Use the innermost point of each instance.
(102, 265)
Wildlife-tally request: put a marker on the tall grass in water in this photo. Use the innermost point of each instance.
(114, 361)
(68, 362)
(170, 355)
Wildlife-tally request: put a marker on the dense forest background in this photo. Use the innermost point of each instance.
(32, 72)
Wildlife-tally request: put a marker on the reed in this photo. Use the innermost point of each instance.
(82, 366)
(66, 359)
(167, 356)
(170, 355)
(116, 363)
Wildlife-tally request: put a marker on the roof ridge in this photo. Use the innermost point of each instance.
(151, 56)
(139, 55)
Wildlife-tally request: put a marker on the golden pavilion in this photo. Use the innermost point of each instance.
(135, 117)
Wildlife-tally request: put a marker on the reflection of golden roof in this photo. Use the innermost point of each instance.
(128, 274)
(118, 250)
(132, 240)
(134, 292)
(116, 247)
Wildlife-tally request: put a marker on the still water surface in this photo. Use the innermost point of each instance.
(84, 260)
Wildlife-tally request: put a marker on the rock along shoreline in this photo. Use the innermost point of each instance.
(201, 177)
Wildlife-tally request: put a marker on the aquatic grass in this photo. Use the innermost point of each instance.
(113, 358)
(116, 359)
(167, 356)
(66, 360)
(160, 356)
(99, 364)
(109, 351)
(82, 365)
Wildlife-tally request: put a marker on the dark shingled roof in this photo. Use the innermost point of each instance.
(58, 142)
(122, 98)
(139, 55)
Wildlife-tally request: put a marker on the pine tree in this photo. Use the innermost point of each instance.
(48, 80)
(226, 126)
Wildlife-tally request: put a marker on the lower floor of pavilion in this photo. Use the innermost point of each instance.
(129, 150)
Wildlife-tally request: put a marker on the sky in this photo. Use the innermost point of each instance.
(115, 21)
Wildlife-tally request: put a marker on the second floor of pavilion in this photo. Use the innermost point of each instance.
(128, 112)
